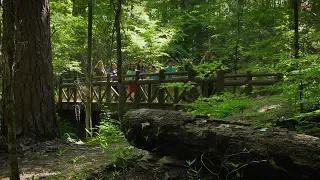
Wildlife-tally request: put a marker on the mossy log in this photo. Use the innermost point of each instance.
(188, 136)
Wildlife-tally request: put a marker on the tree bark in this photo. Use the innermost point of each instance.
(119, 61)
(89, 71)
(295, 5)
(187, 137)
(79, 8)
(8, 93)
(33, 84)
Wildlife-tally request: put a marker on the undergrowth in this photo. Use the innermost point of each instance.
(108, 131)
(66, 129)
(220, 106)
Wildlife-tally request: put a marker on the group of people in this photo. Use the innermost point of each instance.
(99, 70)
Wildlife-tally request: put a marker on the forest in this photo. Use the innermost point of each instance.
(160, 89)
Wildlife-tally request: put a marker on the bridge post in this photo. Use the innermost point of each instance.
(205, 88)
(108, 91)
(75, 90)
(249, 87)
(60, 91)
(149, 95)
(279, 77)
(220, 82)
(191, 74)
(161, 90)
(175, 95)
(137, 97)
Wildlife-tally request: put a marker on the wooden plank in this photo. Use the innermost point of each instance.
(235, 82)
(161, 96)
(263, 82)
(108, 90)
(249, 87)
(220, 82)
(137, 97)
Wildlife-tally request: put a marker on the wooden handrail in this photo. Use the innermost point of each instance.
(104, 89)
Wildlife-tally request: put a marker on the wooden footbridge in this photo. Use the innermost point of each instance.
(169, 91)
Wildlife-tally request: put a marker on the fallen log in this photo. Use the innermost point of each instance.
(188, 136)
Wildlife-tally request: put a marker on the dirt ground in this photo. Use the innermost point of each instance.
(60, 160)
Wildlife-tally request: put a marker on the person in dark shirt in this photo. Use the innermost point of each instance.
(140, 67)
(99, 69)
(131, 71)
(154, 87)
(154, 71)
(113, 72)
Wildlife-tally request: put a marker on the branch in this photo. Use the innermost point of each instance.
(237, 169)
(208, 168)
(2, 6)
(54, 31)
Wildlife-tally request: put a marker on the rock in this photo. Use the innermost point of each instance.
(267, 108)
(188, 136)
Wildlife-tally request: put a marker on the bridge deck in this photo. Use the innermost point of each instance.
(185, 87)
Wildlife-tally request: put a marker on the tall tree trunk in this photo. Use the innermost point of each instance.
(119, 62)
(89, 69)
(33, 85)
(296, 27)
(239, 19)
(8, 94)
(295, 4)
(79, 8)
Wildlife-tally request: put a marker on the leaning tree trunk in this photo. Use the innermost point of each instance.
(8, 94)
(34, 90)
(187, 137)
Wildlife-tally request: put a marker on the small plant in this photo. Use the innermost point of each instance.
(193, 172)
(122, 161)
(61, 150)
(122, 153)
(66, 130)
(108, 131)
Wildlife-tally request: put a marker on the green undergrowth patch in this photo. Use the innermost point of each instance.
(109, 135)
(238, 105)
(261, 111)
(219, 106)
(66, 129)
(108, 131)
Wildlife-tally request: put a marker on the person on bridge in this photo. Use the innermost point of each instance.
(113, 69)
(131, 71)
(113, 72)
(154, 71)
(208, 57)
(154, 87)
(99, 69)
(170, 68)
(140, 67)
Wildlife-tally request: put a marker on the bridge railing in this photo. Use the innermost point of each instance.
(149, 93)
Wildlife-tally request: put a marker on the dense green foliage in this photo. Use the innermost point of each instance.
(108, 131)
(241, 35)
(220, 106)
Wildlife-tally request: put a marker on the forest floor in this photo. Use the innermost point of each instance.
(60, 159)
